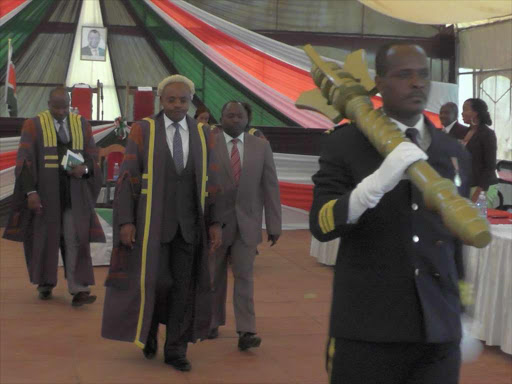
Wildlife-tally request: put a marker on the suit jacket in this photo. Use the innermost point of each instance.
(258, 188)
(482, 147)
(458, 131)
(396, 276)
(86, 51)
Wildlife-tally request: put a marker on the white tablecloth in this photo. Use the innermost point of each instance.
(325, 253)
(490, 271)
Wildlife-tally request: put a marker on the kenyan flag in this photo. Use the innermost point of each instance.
(10, 86)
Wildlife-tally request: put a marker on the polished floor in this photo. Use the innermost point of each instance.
(52, 342)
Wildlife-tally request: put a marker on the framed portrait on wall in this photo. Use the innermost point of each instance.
(93, 43)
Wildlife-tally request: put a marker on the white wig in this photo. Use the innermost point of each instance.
(176, 79)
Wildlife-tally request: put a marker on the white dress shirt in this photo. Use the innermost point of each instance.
(449, 127)
(64, 125)
(239, 145)
(184, 133)
(424, 138)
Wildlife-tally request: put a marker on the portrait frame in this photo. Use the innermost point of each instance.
(88, 38)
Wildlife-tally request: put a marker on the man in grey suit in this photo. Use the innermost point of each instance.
(248, 178)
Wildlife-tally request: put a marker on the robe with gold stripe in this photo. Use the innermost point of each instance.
(41, 233)
(132, 278)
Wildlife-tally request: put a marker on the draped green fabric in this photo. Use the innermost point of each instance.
(213, 86)
(20, 27)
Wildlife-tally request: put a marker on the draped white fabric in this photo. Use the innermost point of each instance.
(88, 72)
(441, 93)
(295, 168)
(490, 272)
(486, 47)
(441, 11)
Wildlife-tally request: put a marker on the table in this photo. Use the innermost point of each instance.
(490, 271)
(325, 253)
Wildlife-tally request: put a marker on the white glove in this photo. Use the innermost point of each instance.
(370, 190)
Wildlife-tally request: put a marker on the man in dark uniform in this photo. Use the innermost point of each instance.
(395, 316)
(448, 115)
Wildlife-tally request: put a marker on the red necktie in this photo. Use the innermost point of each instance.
(235, 161)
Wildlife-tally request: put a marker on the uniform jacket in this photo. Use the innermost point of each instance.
(396, 275)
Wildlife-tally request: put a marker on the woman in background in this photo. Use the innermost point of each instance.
(203, 115)
(480, 141)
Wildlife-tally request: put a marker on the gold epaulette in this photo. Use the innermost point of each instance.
(326, 217)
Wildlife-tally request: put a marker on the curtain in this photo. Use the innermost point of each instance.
(280, 66)
(116, 13)
(131, 56)
(45, 62)
(452, 11)
(66, 11)
(214, 85)
(486, 47)
(10, 8)
(20, 27)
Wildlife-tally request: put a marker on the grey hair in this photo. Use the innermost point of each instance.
(176, 79)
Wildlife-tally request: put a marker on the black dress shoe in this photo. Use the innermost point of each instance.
(82, 298)
(248, 340)
(45, 295)
(213, 334)
(150, 348)
(181, 363)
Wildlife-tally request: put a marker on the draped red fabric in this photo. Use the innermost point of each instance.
(7, 159)
(143, 104)
(7, 6)
(81, 98)
(283, 77)
(296, 195)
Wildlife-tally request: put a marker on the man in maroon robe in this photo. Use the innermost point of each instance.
(53, 208)
(163, 209)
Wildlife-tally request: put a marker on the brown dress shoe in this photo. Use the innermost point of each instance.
(82, 298)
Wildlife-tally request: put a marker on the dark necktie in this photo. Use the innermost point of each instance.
(235, 161)
(177, 149)
(63, 135)
(413, 134)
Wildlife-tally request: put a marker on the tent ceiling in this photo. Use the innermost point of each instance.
(441, 11)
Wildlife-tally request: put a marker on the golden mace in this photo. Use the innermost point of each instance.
(348, 92)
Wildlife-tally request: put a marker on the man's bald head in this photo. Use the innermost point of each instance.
(448, 113)
(58, 103)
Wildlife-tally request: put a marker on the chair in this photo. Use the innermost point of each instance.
(108, 157)
(81, 98)
(143, 101)
(504, 169)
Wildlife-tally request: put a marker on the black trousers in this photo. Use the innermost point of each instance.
(174, 295)
(360, 362)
